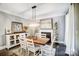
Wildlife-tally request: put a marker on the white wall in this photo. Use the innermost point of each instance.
(5, 22)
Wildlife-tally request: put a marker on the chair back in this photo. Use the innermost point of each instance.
(43, 35)
(22, 39)
(30, 44)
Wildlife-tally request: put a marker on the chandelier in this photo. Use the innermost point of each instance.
(34, 23)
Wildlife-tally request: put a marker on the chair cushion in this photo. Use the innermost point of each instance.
(60, 50)
(48, 50)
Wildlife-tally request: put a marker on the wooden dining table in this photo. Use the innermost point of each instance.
(38, 40)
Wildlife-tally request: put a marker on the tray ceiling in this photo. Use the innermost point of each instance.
(24, 9)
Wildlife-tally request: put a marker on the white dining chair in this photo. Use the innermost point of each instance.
(23, 45)
(43, 35)
(48, 50)
(32, 47)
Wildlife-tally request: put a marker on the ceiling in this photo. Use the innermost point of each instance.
(24, 10)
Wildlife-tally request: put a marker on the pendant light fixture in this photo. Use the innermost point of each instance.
(34, 23)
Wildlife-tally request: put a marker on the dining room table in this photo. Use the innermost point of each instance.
(39, 40)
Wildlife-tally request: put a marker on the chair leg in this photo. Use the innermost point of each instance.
(21, 51)
(41, 52)
(28, 52)
(24, 52)
(34, 53)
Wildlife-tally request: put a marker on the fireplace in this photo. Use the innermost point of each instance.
(49, 34)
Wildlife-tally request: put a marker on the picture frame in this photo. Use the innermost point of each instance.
(16, 27)
(46, 23)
